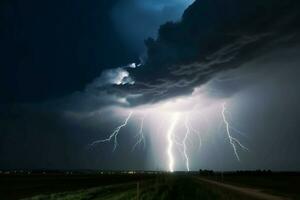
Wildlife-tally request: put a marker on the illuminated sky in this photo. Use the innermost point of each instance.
(214, 85)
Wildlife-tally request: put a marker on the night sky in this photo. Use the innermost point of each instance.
(71, 72)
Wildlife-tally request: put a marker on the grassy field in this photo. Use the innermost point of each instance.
(13, 187)
(163, 187)
(148, 187)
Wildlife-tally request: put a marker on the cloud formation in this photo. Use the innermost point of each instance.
(137, 20)
(216, 45)
(212, 37)
(117, 76)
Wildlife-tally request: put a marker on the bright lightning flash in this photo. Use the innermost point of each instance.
(140, 135)
(233, 141)
(170, 133)
(185, 144)
(115, 134)
(173, 140)
(189, 129)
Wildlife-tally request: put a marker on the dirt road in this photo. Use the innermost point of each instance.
(255, 193)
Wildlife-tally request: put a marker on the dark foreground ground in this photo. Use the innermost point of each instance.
(149, 186)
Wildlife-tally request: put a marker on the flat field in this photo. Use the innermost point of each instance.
(143, 186)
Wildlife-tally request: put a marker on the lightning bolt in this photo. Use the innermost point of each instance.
(170, 133)
(233, 141)
(189, 129)
(140, 135)
(192, 129)
(114, 135)
(185, 144)
(182, 146)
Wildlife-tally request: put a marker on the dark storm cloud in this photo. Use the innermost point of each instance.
(213, 36)
(137, 20)
(50, 49)
(96, 94)
(73, 47)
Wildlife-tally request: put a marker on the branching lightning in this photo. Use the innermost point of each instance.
(198, 135)
(170, 133)
(140, 136)
(181, 142)
(185, 144)
(233, 141)
(114, 135)
(193, 130)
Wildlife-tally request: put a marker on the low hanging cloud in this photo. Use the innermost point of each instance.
(97, 95)
(213, 40)
(118, 76)
(212, 37)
